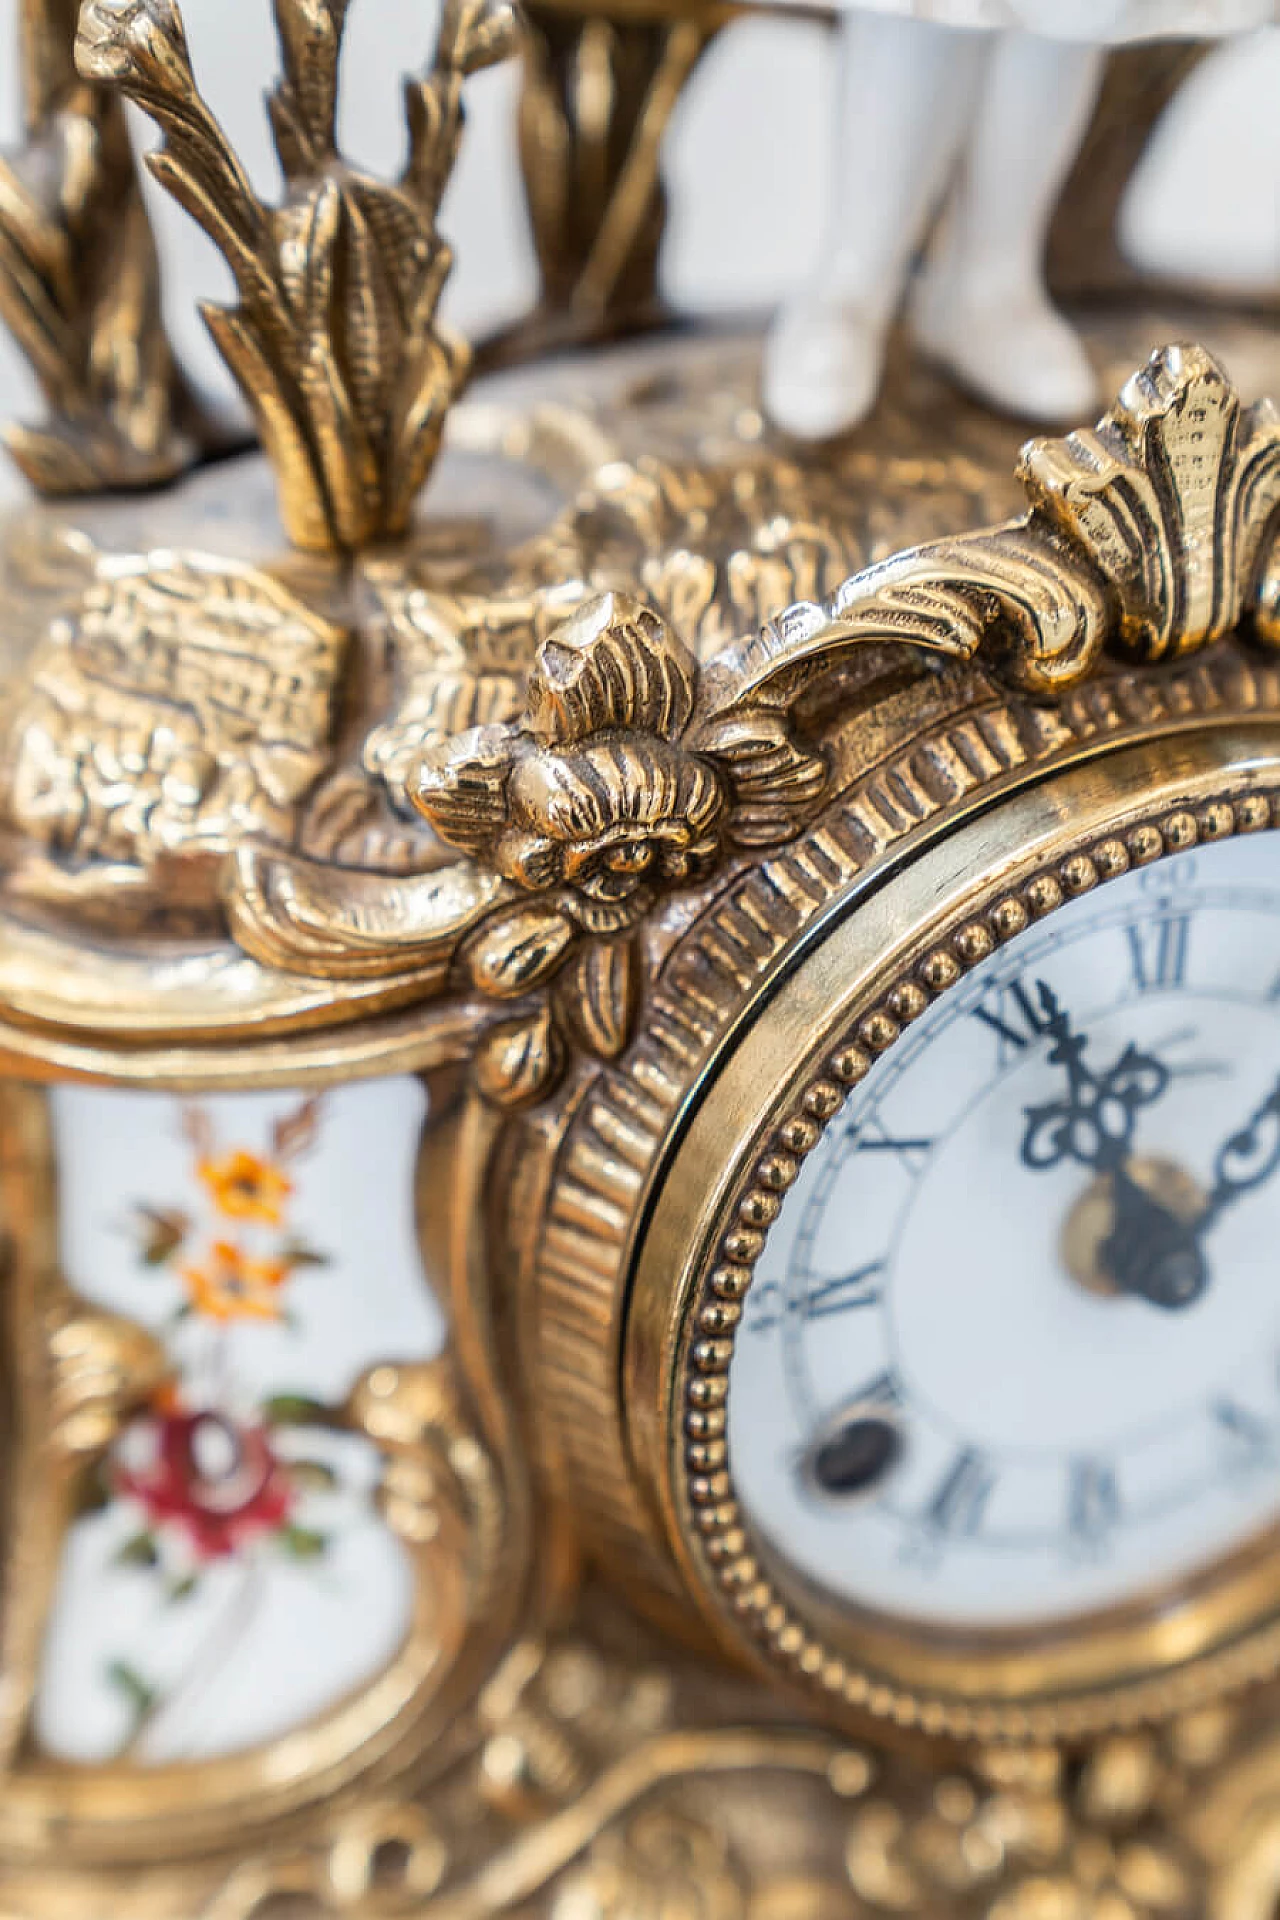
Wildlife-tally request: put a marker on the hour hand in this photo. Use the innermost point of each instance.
(1152, 1250)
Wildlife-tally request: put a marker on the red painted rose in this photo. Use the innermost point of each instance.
(218, 1482)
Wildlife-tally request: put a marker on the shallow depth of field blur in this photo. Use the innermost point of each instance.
(745, 163)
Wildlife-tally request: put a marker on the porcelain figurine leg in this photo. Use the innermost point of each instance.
(981, 306)
(906, 94)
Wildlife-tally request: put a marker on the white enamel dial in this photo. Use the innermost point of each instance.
(1012, 1351)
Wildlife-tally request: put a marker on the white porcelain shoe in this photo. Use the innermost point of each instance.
(822, 365)
(1017, 352)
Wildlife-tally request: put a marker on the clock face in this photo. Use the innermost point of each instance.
(1012, 1351)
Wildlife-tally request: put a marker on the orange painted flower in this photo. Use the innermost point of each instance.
(232, 1286)
(244, 1186)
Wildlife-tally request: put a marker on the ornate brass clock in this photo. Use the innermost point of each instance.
(878, 1453)
(640, 1135)
(871, 1299)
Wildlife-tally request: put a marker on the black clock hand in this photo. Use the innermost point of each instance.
(1151, 1251)
(1159, 1254)
(1095, 1122)
(1246, 1161)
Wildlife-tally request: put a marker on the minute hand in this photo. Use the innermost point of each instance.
(1246, 1161)
(1159, 1254)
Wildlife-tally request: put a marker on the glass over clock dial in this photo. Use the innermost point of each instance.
(1011, 1352)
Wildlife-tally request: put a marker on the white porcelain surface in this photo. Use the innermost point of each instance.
(238, 1578)
(1034, 1445)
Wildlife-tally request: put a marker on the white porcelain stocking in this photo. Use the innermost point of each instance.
(906, 93)
(981, 306)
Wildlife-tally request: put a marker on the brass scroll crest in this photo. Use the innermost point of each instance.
(632, 774)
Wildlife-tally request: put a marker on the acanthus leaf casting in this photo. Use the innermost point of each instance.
(335, 341)
(80, 285)
(1149, 536)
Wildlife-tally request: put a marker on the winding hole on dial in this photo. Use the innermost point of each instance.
(854, 1455)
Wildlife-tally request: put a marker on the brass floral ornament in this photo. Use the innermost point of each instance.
(615, 787)
(336, 342)
(612, 790)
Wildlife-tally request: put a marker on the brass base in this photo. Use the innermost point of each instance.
(599, 1774)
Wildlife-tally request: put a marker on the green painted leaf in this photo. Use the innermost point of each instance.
(163, 1235)
(298, 1254)
(295, 1410)
(312, 1476)
(302, 1543)
(128, 1681)
(141, 1551)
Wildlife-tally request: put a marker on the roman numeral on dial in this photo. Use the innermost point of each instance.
(958, 1505)
(1158, 952)
(912, 1150)
(843, 1294)
(882, 1393)
(1093, 1502)
(1248, 1439)
(1015, 1016)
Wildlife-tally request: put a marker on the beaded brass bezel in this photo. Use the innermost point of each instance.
(1146, 1660)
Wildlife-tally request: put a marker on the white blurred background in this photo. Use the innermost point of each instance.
(744, 165)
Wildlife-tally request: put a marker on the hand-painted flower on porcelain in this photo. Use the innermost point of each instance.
(215, 1481)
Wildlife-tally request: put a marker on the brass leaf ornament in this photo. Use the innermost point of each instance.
(1170, 498)
(1148, 536)
(336, 341)
(80, 284)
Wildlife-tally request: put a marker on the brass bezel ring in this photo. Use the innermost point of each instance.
(1133, 1664)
